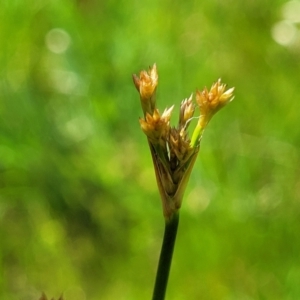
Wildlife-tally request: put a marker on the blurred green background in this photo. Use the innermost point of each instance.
(79, 208)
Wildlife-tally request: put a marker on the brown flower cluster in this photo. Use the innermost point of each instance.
(146, 85)
(173, 152)
(210, 101)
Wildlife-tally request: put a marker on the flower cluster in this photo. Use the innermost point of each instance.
(173, 152)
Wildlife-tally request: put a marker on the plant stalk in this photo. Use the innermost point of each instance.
(165, 259)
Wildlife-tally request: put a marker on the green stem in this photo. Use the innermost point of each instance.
(165, 259)
(196, 136)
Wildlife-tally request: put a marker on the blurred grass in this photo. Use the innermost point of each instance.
(79, 209)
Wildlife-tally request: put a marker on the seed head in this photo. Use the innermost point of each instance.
(146, 85)
(173, 152)
(213, 100)
(156, 126)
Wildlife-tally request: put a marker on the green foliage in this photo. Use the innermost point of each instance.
(80, 213)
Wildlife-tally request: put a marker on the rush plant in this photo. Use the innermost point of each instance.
(174, 153)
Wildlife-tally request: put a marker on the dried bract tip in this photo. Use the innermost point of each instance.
(167, 113)
(136, 81)
(187, 109)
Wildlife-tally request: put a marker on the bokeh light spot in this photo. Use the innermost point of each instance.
(284, 33)
(58, 40)
(291, 11)
(197, 200)
(65, 82)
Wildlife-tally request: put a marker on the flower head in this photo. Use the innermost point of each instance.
(173, 152)
(213, 100)
(146, 85)
(156, 126)
(209, 103)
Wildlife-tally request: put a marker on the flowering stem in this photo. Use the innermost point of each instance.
(165, 259)
(196, 136)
